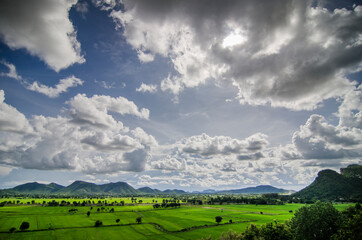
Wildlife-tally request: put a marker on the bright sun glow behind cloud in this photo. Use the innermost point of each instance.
(233, 39)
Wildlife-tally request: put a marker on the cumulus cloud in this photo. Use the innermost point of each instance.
(59, 88)
(95, 110)
(12, 71)
(284, 53)
(68, 143)
(42, 28)
(205, 145)
(143, 137)
(317, 140)
(350, 110)
(11, 120)
(170, 164)
(147, 88)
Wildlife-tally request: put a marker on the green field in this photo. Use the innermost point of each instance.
(187, 222)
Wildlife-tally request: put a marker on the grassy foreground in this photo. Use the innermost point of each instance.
(187, 222)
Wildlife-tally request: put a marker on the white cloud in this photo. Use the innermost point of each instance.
(143, 137)
(205, 145)
(319, 140)
(59, 88)
(169, 163)
(145, 57)
(95, 110)
(43, 28)
(11, 119)
(285, 53)
(350, 111)
(147, 88)
(12, 71)
(104, 146)
(4, 171)
(82, 7)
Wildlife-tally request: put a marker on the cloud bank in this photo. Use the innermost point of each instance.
(90, 140)
(284, 53)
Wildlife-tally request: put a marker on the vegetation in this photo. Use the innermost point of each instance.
(351, 228)
(186, 216)
(318, 221)
(332, 186)
(24, 226)
(98, 223)
(218, 219)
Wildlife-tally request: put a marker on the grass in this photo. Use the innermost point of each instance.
(187, 222)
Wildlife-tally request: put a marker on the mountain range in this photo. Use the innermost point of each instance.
(328, 185)
(121, 188)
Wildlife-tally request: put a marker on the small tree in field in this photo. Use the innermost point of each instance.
(218, 219)
(24, 225)
(12, 229)
(139, 220)
(117, 220)
(98, 223)
(88, 213)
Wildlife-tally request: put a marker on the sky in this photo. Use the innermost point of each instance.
(175, 94)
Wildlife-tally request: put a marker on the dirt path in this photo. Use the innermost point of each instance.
(158, 226)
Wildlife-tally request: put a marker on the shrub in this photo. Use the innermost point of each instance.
(24, 225)
(98, 223)
(218, 219)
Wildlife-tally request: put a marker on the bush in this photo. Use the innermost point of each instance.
(98, 223)
(24, 225)
(218, 219)
(12, 229)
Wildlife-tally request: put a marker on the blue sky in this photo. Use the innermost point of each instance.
(179, 94)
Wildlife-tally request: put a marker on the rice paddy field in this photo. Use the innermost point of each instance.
(186, 222)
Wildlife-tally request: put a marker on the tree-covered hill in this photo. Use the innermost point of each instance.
(330, 185)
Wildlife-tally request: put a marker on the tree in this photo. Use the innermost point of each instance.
(276, 231)
(24, 225)
(352, 224)
(139, 220)
(12, 229)
(218, 219)
(98, 223)
(88, 213)
(316, 222)
(117, 220)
